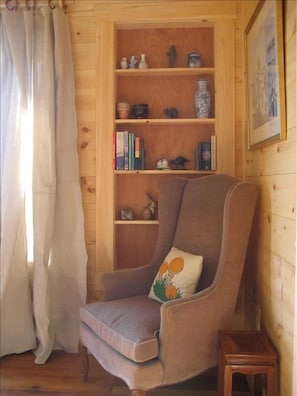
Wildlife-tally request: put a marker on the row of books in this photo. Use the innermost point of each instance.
(205, 155)
(129, 153)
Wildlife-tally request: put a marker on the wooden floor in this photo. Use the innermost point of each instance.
(20, 376)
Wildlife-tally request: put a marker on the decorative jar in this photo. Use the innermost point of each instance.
(124, 63)
(123, 110)
(194, 59)
(142, 63)
(140, 110)
(202, 99)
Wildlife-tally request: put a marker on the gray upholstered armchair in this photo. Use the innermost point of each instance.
(149, 344)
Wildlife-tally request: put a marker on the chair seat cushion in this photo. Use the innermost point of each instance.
(129, 325)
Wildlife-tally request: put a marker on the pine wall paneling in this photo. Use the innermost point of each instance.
(271, 269)
(83, 37)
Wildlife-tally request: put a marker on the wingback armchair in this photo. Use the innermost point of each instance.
(148, 343)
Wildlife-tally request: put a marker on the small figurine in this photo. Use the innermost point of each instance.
(133, 62)
(150, 212)
(171, 112)
(171, 55)
(124, 63)
(127, 214)
(179, 162)
(162, 164)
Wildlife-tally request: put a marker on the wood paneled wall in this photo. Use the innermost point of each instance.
(83, 36)
(270, 273)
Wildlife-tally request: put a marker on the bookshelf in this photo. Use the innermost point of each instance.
(126, 30)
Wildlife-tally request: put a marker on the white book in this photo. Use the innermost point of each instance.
(120, 150)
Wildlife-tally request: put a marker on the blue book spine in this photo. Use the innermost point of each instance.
(131, 150)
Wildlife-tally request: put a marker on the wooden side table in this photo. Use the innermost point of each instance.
(246, 352)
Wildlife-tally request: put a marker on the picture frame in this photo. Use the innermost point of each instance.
(265, 78)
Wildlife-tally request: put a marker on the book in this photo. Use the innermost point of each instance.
(126, 150)
(114, 166)
(139, 160)
(213, 152)
(131, 150)
(129, 153)
(203, 156)
(142, 156)
(119, 150)
(137, 146)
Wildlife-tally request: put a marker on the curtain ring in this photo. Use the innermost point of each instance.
(28, 5)
(64, 5)
(51, 6)
(13, 7)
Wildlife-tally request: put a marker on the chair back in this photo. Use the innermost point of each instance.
(197, 210)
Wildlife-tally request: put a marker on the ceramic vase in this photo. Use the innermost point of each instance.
(194, 59)
(124, 63)
(202, 99)
(142, 63)
(140, 110)
(133, 62)
(123, 110)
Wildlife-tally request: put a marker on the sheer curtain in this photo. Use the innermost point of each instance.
(43, 267)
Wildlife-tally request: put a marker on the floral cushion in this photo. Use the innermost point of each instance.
(177, 277)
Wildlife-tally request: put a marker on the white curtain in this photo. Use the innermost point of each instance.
(42, 289)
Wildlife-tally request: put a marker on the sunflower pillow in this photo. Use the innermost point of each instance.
(177, 277)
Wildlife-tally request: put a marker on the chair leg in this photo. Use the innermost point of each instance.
(137, 392)
(85, 360)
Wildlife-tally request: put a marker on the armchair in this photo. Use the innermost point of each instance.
(149, 344)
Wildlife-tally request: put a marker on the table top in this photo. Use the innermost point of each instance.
(241, 346)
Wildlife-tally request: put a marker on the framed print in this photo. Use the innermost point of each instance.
(264, 54)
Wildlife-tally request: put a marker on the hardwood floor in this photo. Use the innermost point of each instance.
(61, 375)
(19, 376)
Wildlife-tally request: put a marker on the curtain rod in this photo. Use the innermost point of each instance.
(12, 5)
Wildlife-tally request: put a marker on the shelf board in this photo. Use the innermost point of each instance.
(165, 121)
(164, 172)
(164, 71)
(136, 222)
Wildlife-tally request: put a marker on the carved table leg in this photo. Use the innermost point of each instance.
(85, 360)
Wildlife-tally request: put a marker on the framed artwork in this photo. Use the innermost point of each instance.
(264, 53)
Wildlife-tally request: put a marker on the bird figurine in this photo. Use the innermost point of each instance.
(171, 112)
(179, 162)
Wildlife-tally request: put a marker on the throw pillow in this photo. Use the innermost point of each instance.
(177, 277)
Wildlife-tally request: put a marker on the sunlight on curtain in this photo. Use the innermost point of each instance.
(26, 175)
(17, 325)
(39, 184)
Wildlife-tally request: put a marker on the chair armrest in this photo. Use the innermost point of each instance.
(194, 346)
(127, 282)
